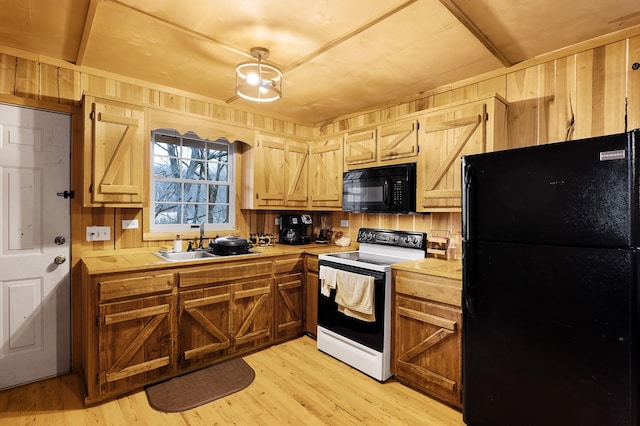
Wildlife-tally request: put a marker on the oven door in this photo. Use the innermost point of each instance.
(370, 334)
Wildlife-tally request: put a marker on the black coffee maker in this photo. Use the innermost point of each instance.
(293, 228)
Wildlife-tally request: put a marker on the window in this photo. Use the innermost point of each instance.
(192, 182)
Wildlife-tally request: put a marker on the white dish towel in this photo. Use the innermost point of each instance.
(327, 277)
(354, 295)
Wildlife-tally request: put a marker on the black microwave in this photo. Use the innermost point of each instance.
(386, 189)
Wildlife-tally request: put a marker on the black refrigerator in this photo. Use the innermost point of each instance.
(550, 284)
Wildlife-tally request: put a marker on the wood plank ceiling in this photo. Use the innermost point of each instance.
(338, 56)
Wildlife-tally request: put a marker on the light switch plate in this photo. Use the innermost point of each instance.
(98, 233)
(344, 223)
(130, 224)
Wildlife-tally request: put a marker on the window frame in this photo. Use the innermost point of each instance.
(230, 184)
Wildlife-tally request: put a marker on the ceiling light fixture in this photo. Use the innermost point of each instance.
(258, 81)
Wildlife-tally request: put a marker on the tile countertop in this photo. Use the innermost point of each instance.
(142, 259)
(432, 266)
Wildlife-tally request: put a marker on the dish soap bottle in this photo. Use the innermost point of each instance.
(177, 244)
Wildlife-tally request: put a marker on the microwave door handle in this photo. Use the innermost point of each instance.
(385, 192)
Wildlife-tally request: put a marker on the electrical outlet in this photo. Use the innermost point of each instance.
(98, 233)
(344, 223)
(277, 221)
(130, 224)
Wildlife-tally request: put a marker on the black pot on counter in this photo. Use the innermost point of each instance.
(230, 245)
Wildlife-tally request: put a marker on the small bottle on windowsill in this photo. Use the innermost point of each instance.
(177, 244)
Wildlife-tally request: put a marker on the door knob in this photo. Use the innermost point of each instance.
(60, 259)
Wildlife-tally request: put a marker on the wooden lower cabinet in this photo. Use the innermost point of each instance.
(252, 315)
(135, 338)
(427, 339)
(204, 325)
(288, 297)
(311, 295)
(143, 327)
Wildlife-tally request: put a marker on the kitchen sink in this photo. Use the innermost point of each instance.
(184, 255)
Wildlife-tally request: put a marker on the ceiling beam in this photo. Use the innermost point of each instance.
(88, 24)
(471, 26)
(333, 43)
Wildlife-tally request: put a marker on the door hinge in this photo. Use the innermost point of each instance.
(97, 379)
(91, 189)
(92, 115)
(486, 116)
(66, 194)
(98, 320)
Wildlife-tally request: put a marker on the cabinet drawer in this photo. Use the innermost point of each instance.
(221, 273)
(287, 266)
(135, 286)
(312, 263)
(430, 287)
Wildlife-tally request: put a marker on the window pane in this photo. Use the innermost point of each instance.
(218, 172)
(217, 151)
(165, 167)
(193, 149)
(168, 191)
(218, 194)
(219, 214)
(167, 214)
(195, 213)
(195, 193)
(194, 170)
(166, 145)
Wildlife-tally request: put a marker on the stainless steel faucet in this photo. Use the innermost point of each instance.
(201, 226)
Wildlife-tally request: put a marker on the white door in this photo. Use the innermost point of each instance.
(35, 294)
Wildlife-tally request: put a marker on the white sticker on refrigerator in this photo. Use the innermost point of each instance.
(613, 155)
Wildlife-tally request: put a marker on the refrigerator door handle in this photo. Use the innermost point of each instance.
(468, 293)
(467, 173)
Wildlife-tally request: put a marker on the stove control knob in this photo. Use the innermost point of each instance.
(415, 241)
(370, 236)
(407, 240)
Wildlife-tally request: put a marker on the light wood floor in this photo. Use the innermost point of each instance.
(295, 384)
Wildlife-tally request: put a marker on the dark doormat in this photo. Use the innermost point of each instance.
(202, 386)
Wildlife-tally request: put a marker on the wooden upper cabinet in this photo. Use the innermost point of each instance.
(114, 150)
(398, 140)
(269, 164)
(276, 170)
(444, 137)
(391, 143)
(325, 179)
(361, 148)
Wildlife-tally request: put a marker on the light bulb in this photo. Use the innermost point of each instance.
(253, 79)
(263, 89)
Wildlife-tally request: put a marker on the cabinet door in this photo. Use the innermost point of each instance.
(311, 295)
(205, 325)
(297, 171)
(288, 306)
(361, 148)
(325, 178)
(445, 137)
(269, 171)
(136, 342)
(117, 160)
(398, 140)
(427, 346)
(252, 314)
